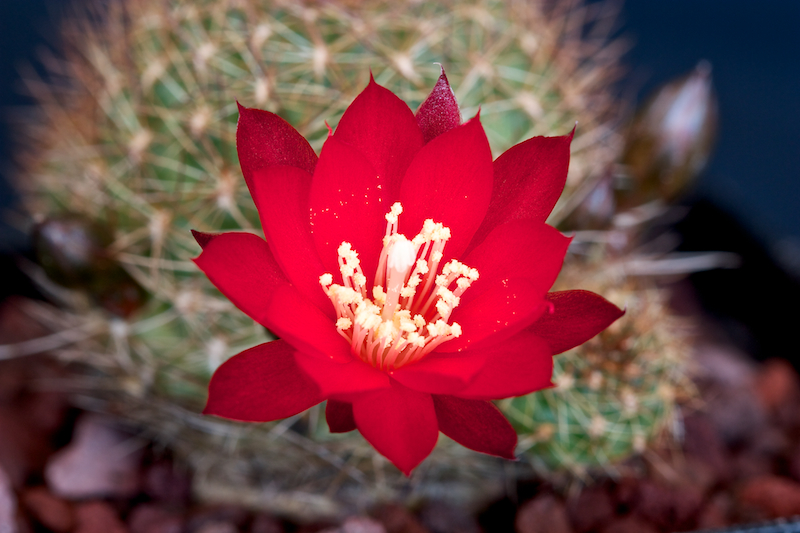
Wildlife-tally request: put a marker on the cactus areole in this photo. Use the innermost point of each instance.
(405, 272)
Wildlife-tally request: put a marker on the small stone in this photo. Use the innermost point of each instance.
(216, 519)
(163, 481)
(361, 524)
(727, 380)
(703, 445)
(216, 527)
(591, 509)
(152, 518)
(48, 510)
(9, 521)
(629, 524)
(440, 517)
(771, 495)
(100, 462)
(668, 507)
(97, 517)
(264, 523)
(776, 384)
(397, 519)
(715, 513)
(544, 514)
(22, 450)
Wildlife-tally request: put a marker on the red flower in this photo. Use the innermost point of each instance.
(359, 278)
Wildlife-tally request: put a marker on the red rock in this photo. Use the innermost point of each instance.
(441, 517)
(97, 517)
(9, 521)
(152, 518)
(625, 492)
(48, 510)
(771, 495)
(164, 481)
(668, 507)
(264, 523)
(45, 411)
(397, 519)
(591, 509)
(629, 524)
(777, 384)
(727, 380)
(101, 461)
(357, 524)
(703, 445)
(544, 514)
(714, 514)
(216, 527)
(22, 450)
(219, 518)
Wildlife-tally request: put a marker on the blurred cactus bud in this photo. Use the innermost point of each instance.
(598, 207)
(73, 251)
(670, 139)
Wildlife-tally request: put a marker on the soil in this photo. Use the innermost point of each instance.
(67, 471)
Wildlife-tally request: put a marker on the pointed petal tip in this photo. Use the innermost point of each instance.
(202, 238)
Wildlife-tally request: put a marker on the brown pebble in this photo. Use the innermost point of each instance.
(357, 524)
(703, 445)
(22, 450)
(544, 514)
(772, 495)
(397, 519)
(168, 483)
(9, 520)
(213, 518)
(668, 507)
(97, 517)
(776, 384)
(101, 461)
(629, 524)
(152, 518)
(48, 510)
(440, 517)
(714, 515)
(265, 523)
(591, 509)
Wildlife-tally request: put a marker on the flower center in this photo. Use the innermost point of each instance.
(407, 316)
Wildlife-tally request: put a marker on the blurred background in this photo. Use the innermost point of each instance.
(747, 200)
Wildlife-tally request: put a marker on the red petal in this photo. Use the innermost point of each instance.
(346, 204)
(261, 384)
(264, 139)
(528, 180)
(343, 379)
(203, 238)
(242, 267)
(399, 423)
(517, 366)
(475, 424)
(382, 127)
(577, 316)
(281, 196)
(304, 326)
(439, 112)
(441, 373)
(339, 416)
(502, 310)
(449, 181)
(522, 248)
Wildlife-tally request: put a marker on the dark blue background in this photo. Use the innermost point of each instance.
(748, 200)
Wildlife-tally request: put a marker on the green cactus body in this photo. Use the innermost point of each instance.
(140, 136)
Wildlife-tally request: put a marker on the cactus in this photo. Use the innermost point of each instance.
(137, 134)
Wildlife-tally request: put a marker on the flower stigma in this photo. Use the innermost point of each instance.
(405, 315)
